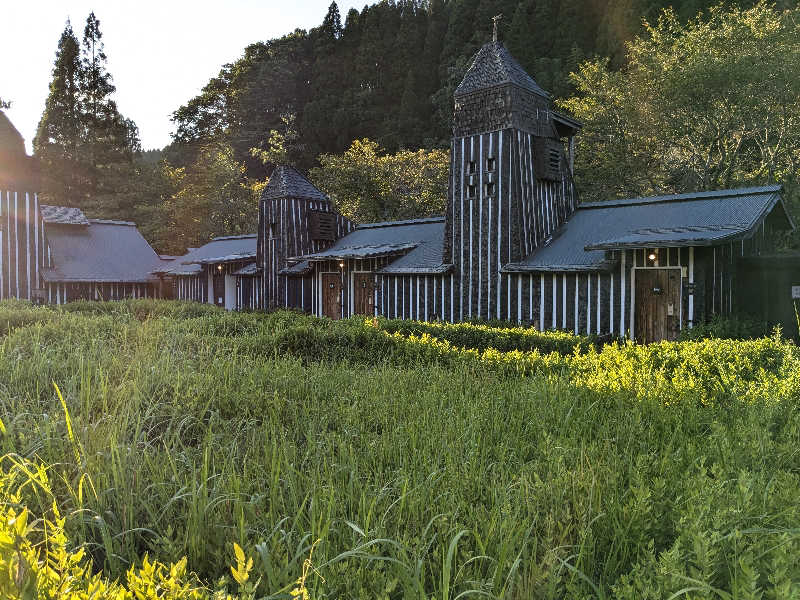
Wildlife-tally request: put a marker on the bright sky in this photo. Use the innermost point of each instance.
(160, 53)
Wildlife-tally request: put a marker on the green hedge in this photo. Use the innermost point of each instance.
(484, 336)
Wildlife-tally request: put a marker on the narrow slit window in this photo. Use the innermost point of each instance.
(491, 164)
(472, 191)
(490, 188)
(472, 168)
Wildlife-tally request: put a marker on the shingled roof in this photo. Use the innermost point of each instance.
(63, 215)
(416, 244)
(107, 251)
(230, 248)
(679, 220)
(493, 66)
(287, 182)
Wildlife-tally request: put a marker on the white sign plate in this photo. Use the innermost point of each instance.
(795, 292)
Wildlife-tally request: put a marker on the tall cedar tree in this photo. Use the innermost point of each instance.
(86, 146)
(59, 132)
(110, 140)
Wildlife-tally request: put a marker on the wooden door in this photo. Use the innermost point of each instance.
(219, 288)
(332, 295)
(658, 304)
(363, 294)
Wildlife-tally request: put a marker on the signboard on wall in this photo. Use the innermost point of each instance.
(796, 292)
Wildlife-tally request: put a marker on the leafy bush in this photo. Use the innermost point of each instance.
(36, 560)
(143, 308)
(16, 313)
(737, 327)
(504, 338)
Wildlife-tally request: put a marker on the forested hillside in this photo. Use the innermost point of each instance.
(674, 96)
(388, 72)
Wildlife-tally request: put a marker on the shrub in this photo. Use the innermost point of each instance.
(484, 336)
(737, 327)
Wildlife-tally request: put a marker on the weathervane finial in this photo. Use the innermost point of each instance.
(495, 20)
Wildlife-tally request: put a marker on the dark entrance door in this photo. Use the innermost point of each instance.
(658, 304)
(363, 294)
(219, 287)
(332, 295)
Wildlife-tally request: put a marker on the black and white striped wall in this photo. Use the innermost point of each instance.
(498, 213)
(192, 287)
(198, 288)
(60, 292)
(22, 244)
(284, 232)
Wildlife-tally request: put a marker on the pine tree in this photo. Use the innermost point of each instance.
(332, 23)
(59, 132)
(110, 140)
(84, 144)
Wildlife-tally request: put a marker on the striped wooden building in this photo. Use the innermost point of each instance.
(221, 272)
(515, 243)
(55, 254)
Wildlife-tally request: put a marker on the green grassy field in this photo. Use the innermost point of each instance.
(428, 461)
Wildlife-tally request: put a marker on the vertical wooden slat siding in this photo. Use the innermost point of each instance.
(291, 217)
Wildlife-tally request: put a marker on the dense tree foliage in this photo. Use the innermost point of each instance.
(709, 104)
(211, 197)
(368, 185)
(388, 72)
(85, 145)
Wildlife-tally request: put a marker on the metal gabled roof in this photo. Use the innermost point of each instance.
(105, 251)
(287, 182)
(301, 268)
(249, 270)
(360, 251)
(62, 215)
(418, 241)
(230, 248)
(679, 220)
(492, 66)
(688, 235)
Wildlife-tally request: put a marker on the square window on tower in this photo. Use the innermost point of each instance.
(491, 164)
(472, 191)
(472, 167)
(489, 188)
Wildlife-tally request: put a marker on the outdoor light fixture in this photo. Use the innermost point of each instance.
(652, 256)
(341, 265)
(219, 267)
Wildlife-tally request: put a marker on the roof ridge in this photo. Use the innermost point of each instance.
(664, 198)
(240, 236)
(112, 222)
(419, 221)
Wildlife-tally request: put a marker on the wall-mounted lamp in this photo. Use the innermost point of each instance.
(652, 256)
(219, 267)
(341, 264)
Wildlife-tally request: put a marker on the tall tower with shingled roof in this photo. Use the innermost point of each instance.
(295, 218)
(510, 178)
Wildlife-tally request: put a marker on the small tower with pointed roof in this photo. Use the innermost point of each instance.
(510, 180)
(295, 218)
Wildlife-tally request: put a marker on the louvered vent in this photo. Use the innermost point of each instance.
(548, 159)
(322, 225)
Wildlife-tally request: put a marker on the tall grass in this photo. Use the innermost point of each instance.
(424, 469)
